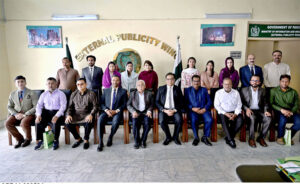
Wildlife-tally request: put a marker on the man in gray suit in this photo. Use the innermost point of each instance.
(93, 75)
(256, 107)
(140, 105)
(21, 108)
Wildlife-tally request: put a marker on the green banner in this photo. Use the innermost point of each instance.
(274, 31)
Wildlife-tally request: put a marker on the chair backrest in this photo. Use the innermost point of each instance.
(38, 92)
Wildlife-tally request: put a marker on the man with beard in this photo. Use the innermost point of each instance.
(256, 107)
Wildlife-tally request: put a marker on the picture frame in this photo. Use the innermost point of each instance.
(44, 36)
(217, 34)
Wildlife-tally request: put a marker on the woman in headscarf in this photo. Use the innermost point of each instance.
(187, 74)
(149, 76)
(229, 72)
(109, 72)
(129, 77)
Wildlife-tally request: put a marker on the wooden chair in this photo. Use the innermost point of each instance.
(187, 124)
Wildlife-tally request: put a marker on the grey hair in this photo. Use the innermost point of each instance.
(140, 81)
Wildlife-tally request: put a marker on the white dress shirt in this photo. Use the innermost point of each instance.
(254, 102)
(142, 104)
(228, 101)
(169, 93)
(273, 71)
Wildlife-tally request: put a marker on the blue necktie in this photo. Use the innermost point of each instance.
(114, 100)
(21, 96)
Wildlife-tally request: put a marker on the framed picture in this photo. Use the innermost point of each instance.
(44, 36)
(217, 34)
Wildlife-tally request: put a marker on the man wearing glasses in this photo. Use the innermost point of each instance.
(256, 108)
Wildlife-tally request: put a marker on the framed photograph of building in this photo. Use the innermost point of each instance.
(44, 36)
(217, 34)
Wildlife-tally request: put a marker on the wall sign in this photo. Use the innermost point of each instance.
(274, 31)
(236, 54)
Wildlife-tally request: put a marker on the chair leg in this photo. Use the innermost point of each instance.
(214, 128)
(67, 136)
(155, 128)
(9, 139)
(185, 136)
(243, 133)
(272, 131)
(96, 138)
(126, 126)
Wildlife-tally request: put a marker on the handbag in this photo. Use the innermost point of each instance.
(48, 137)
(288, 137)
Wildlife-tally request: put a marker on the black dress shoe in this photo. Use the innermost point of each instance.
(100, 147)
(109, 142)
(167, 141)
(206, 141)
(144, 145)
(136, 146)
(19, 144)
(195, 142)
(26, 143)
(86, 145)
(177, 141)
(77, 143)
(231, 143)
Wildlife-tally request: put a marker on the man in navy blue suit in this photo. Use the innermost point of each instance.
(247, 71)
(198, 105)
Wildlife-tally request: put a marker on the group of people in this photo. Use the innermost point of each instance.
(111, 92)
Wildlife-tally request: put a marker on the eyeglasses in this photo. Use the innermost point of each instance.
(255, 80)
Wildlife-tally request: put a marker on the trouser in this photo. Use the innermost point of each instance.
(195, 120)
(25, 123)
(258, 115)
(87, 130)
(103, 119)
(144, 120)
(47, 116)
(163, 120)
(231, 128)
(283, 120)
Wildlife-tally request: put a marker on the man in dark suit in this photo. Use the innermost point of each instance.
(249, 70)
(256, 107)
(170, 102)
(113, 102)
(93, 75)
(140, 105)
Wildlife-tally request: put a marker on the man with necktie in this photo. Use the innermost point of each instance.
(21, 108)
(247, 71)
(113, 102)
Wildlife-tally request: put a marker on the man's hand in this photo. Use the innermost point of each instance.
(135, 114)
(228, 115)
(108, 113)
(113, 112)
(38, 119)
(54, 119)
(201, 111)
(149, 114)
(19, 116)
(195, 109)
(233, 117)
(88, 118)
(267, 114)
(286, 113)
(68, 119)
(249, 112)
(169, 112)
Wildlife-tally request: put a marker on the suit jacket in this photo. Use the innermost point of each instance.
(133, 102)
(199, 99)
(121, 99)
(245, 75)
(246, 96)
(27, 106)
(177, 95)
(96, 81)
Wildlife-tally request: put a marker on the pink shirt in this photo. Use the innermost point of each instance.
(209, 82)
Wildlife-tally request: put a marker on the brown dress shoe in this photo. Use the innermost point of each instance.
(252, 143)
(262, 142)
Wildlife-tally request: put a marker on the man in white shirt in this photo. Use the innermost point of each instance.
(229, 106)
(274, 69)
(170, 103)
(140, 105)
(256, 108)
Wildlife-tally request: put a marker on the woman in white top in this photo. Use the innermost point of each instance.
(129, 77)
(187, 74)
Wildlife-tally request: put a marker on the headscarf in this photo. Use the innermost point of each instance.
(106, 80)
(227, 71)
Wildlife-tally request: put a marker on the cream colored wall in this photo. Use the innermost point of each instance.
(163, 20)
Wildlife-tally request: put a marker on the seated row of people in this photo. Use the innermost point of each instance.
(83, 106)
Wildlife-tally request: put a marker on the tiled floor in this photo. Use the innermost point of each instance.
(122, 163)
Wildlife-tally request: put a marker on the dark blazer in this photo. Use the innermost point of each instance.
(200, 99)
(96, 81)
(177, 95)
(133, 102)
(245, 75)
(121, 99)
(246, 96)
